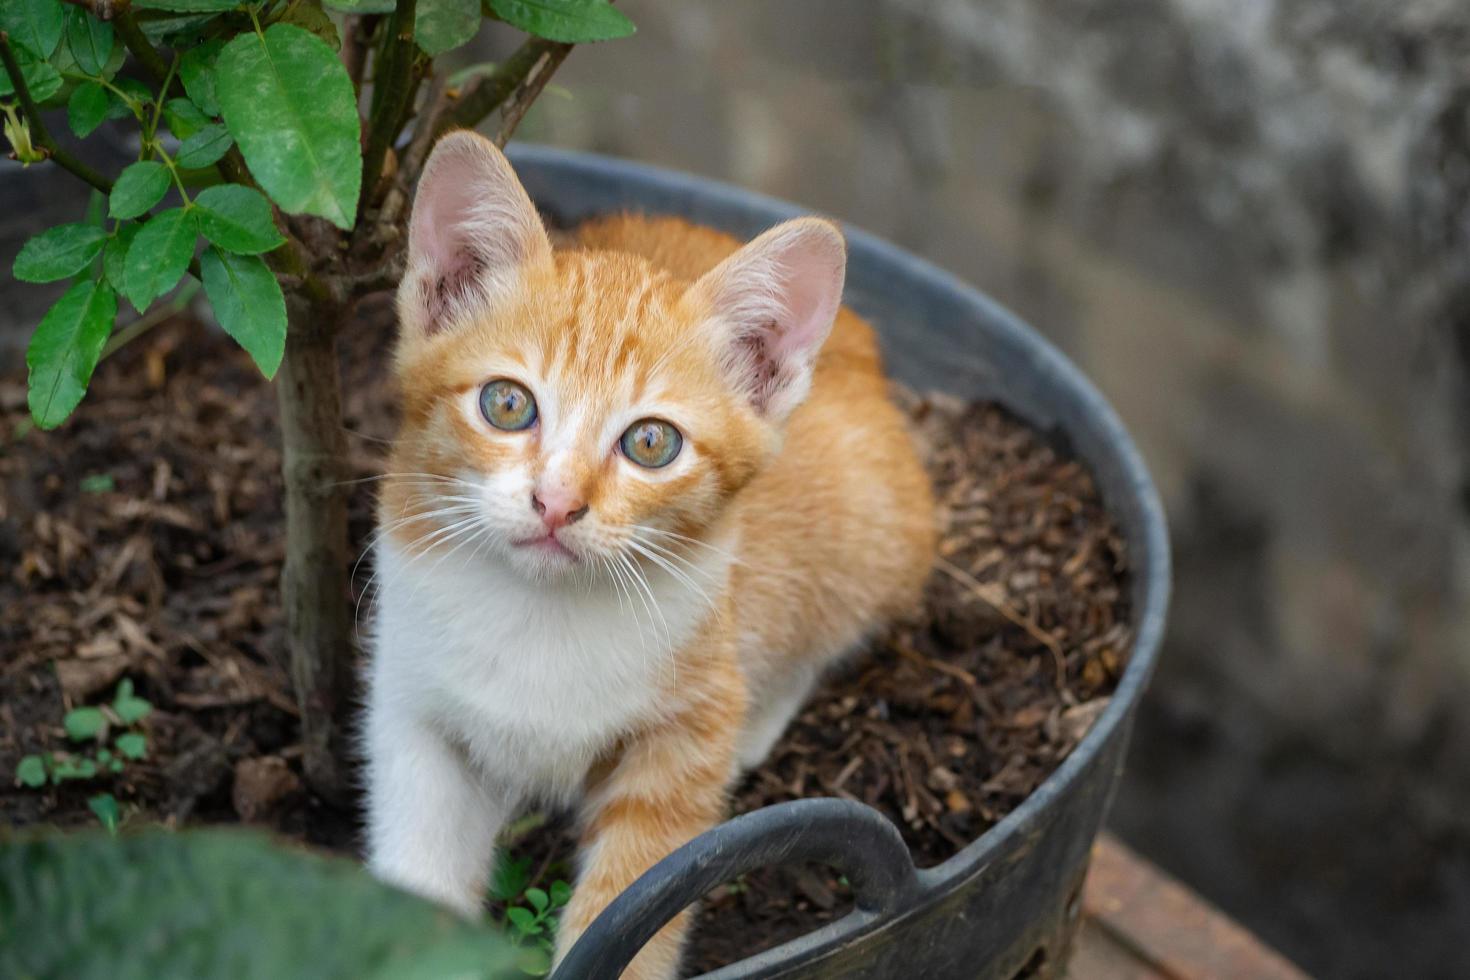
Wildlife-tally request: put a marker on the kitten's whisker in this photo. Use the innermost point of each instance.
(672, 570)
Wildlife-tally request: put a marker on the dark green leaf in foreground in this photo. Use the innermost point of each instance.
(220, 905)
(248, 303)
(87, 108)
(237, 219)
(140, 186)
(159, 255)
(204, 147)
(34, 26)
(61, 357)
(58, 252)
(572, 21)
(89, 39)
(439, 25)
(289, 104)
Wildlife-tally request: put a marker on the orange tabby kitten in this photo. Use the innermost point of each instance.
(645, 491)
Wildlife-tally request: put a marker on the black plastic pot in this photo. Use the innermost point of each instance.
(1007, 905)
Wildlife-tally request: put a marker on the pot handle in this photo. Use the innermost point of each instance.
(850, 837)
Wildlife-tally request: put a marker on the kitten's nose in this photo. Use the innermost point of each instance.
(557, 508)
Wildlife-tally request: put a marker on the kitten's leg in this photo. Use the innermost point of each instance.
(431, 822)
(668, 787)
(771, 712)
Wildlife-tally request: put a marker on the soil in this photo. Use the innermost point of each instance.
(143, 539)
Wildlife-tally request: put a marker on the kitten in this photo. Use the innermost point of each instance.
(645, 490)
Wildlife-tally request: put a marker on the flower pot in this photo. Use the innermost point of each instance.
(1007, 905)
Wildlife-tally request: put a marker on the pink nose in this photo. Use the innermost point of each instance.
(557, 507)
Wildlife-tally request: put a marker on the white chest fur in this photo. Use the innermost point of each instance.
(533, 680)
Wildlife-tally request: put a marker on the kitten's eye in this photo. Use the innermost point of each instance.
(651, 443)
(507, 405)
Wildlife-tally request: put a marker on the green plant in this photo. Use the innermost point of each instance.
(220, 905)
(90, 726)
(530, 912)
(275, 165)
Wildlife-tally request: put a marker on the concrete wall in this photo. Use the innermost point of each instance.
(1246, 220)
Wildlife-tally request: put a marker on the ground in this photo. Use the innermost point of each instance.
(143, 541)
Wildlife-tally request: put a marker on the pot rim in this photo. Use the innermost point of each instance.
(1134, 490)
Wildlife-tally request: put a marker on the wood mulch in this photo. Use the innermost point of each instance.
(144, 539)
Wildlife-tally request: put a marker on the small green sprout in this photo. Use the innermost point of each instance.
(92, 724)
(531, 912)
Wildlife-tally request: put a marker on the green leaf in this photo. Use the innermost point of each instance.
(571, 21)
(89, 39)
(187, 6)
(237, 219)
(133, 745)
(538, 899)
(104, 807)
(561, 893)
(363, 6)
(523, 920)
(83, 723)
(197, 71)
(289, 104)
(140, 186)
(31, 771)
(58, 252)
(511, 875)
(34, 25)
(97, 483)
(87, 108)
(42, 81)
(220, 905)
(128, 706)
(184, 118)
(114, 256)
(439, 25)
(248, 303)
(534, 961)
(159, 255)
(64, 769)
(309, 15)
(61, 357)
(204, 147)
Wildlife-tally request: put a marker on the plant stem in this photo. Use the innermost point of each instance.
(40, 136)
(393, 85)
(486, 93)
(516, 106)
(315, 583)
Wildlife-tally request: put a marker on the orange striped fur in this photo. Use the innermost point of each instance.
(786, 531)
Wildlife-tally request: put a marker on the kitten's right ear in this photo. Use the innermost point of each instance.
(472, 233)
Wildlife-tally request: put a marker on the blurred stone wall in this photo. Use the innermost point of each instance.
(1246, 220)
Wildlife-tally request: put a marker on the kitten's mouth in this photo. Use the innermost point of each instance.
(547, 544)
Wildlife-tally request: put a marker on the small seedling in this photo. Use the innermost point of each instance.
(531, 913)
(98, 483)
(104, 806)
(92, 724)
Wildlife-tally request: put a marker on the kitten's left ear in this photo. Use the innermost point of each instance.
(473, 231)
(773, 303)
